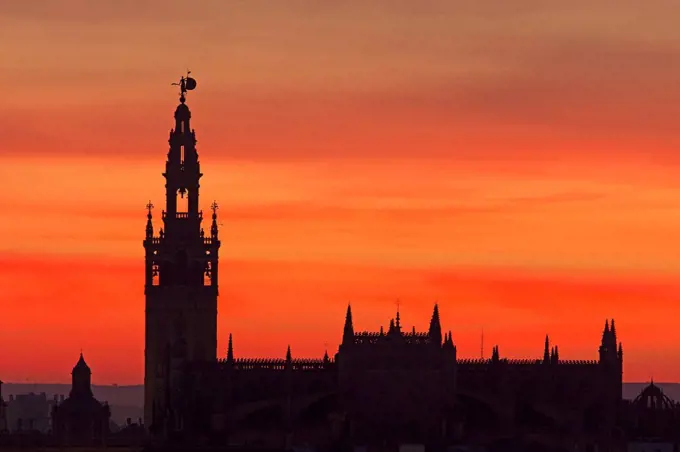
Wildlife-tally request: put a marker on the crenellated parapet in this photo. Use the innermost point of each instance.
(473, 361)
(525, 362)
(579, 362)
(287, 363)
(298, 364)
(370, 337)
(394, 334)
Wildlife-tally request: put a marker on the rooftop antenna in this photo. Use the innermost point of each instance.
(398, 303)
(482, 346)
(185, 84)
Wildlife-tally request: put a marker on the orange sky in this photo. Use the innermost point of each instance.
(516, 163)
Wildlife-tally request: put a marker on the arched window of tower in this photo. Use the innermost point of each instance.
(207, 274)
(182, 201)
(155, 275)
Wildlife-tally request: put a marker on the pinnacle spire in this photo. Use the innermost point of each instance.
(149, 224)
(230, 350)
(348, 333)
(448, 342)
(213, 227)
(607, 337)
(546, 350)
(289, 356)
(435, 331)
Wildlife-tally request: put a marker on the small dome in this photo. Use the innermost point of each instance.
(653, 397)
(81, 365)
(182, 112)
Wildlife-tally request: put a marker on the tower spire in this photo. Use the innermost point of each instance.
(182, 172)
(495, 356)
(546, 350)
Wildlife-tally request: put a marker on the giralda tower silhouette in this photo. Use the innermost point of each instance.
(180, 274)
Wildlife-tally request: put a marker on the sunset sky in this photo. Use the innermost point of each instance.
(516, 161)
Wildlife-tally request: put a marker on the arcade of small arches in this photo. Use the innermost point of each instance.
(478, 411)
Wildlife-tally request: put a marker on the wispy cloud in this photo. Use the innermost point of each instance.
(352, 80)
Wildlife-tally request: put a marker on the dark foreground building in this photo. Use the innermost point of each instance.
(80, 419)
(651, 422)
(3, 412)
(388, 386)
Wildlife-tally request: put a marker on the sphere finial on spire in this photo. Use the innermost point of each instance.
(149, 207)
(214, 207)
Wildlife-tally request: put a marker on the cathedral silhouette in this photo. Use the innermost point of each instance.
(386, 386)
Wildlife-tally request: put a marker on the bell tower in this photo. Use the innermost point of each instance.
(180, 271)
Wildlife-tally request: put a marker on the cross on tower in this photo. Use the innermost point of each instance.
(214, 207)
(149, 206)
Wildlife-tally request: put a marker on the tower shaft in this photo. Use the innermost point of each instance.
(181, 288)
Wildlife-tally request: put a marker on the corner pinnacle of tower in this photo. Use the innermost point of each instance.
(435, 331)
(230, 350)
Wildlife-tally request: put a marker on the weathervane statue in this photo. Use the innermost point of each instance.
(185, 84)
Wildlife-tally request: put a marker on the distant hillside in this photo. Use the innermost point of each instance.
(131, 397)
